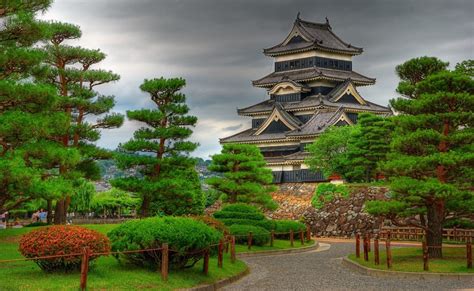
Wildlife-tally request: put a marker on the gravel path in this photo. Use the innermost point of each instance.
(323, 270)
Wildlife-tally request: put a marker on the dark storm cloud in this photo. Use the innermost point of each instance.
(217, 47)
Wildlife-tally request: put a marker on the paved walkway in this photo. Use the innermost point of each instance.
(323, 270)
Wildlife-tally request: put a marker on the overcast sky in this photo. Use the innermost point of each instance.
(217, 47)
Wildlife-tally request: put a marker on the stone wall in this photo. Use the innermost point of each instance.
(343, 217)
(293, 200)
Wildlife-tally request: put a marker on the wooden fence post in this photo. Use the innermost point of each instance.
(272, 238)
(220, 253)
(85, 267)
(302, 237)
(376, 250)
(368, 244)
(454, 234)
(469, 252)
(366, 248)
(308, 233)
(357, 245)
(425, 255)
(232, 249)
(164, 261)
(249, 240)
(291, 238)
(388, 251)
(226, 244)
(205, 266)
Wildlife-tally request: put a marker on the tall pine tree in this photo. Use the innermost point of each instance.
(433, 154)
(168, 182)
(245, 177)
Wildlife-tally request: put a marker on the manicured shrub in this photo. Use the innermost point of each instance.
(35, 224)
(241, 207)
(266, 223)
(60, 240)
(239, 215)
(285, 226)
(186, 238)
(326, 192)
(260, 235)
(212, 222)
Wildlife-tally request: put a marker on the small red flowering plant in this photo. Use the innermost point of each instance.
(62, 240)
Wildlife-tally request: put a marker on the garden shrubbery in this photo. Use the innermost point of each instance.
(285, 226)
(239, 215)
(212, 222)
(264, 223)
(260, 235)
(60, 240)
(326, 192)
(243, 214)
(185, 238)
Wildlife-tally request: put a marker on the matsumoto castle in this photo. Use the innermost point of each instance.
(312, 88)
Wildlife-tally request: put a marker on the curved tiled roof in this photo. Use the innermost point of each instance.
(310, 74)
(317, 36)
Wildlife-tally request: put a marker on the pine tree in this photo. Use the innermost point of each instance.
(27, 119)
(168, 182)
(368, 146)
(433, 154)
(245, 178)
(69, 70)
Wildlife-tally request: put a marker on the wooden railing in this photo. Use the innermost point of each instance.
(414, 233)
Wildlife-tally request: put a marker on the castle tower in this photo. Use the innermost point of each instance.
(311, 88)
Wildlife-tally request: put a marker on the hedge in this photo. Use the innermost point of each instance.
(186, 237)
(239, 215)
(285, 226)
(260, 235)
(241, 207)
(266, 224)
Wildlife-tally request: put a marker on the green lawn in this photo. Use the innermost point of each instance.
(106, 274)
(411, 260)
(278, 244)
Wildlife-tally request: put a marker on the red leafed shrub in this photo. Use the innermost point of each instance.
(62, 240)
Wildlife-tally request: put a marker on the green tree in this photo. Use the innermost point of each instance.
(70, 70)
(169, 183)
(416, 70)
(465, 67)
(368, 147)
(245, 178)
(432, 158)
(329, 151)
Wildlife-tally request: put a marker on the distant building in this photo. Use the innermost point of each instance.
(312, 88)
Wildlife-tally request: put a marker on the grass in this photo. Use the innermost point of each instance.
(410, 259)
(278, 244)
(107, 273)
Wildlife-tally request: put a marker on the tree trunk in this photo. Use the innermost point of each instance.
(434, 235)
(145, 206)
(49, 210)
(59, 212)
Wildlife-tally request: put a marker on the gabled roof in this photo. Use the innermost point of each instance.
(320, 121)
(311, 74)
(346, 87)
(289, 83)
(306, 35)
(278, 114)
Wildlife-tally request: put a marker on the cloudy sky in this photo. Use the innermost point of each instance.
(216, 45)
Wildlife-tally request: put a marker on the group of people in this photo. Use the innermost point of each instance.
(39, 216)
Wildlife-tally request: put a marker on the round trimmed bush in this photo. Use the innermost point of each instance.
(212, 222)
(239, 215)
(285, 226)
(61, 240)
(241, 207)
(186, 239)
(260, 235)
(265, 223)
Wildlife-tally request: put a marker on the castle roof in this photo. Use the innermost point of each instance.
(312, 74)
(306, 35)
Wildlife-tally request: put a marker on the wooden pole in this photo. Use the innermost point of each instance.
(164, 261)
(291, 238)
(205, 265)
(249, 240)
(308, 233)
(232, 249)
(272, 238)
(366, 248)
(302, 237)
(389, 251)
(376, 250)
(220, 253)
(357, 245)
(425, 255)
(84, 267)
(368, 238)
(469, 252)
(226, 244)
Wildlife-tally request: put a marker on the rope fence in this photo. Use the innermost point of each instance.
(226, 244)
(386, 235)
